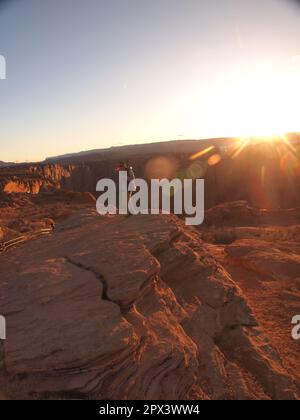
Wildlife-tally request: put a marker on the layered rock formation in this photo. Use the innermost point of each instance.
(32, 179)
(265, 174)
(131, 307)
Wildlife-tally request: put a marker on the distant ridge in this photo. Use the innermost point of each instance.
(128, 150)
(4, 164)
(173, 146)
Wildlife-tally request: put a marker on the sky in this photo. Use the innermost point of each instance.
(86, 74)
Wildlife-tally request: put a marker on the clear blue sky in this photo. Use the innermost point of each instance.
(85, 74)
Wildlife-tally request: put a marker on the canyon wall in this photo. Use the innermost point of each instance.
(33, 178)
(266, 175)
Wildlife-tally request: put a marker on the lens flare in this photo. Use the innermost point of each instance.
(196, 170)
(290, 164)
(202, 153)
(214, 159)
(288, 143)
(161, 167)
(241, 146)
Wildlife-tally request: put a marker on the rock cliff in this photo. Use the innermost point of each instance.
(33, 178)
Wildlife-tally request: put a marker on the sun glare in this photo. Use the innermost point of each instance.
(252, 101)
(267, 102)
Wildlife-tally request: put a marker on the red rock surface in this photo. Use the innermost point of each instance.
(131, 307)
(144, 307)
(264, 261)
(33, 178)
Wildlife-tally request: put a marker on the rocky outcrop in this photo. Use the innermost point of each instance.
(32, 179)
(276, 261)
(240, 214)
(117, 308)
(17, 186)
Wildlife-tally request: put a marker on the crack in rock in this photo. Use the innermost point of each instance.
(98, 276)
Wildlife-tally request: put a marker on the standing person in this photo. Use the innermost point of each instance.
(123, 167)
(131, 178)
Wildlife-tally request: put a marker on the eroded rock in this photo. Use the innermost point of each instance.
(136, 307)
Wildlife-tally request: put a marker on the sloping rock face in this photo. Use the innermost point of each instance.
(130, 308)
(261, 252)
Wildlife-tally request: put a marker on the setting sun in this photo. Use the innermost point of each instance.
(257, 100)
(264, 101)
